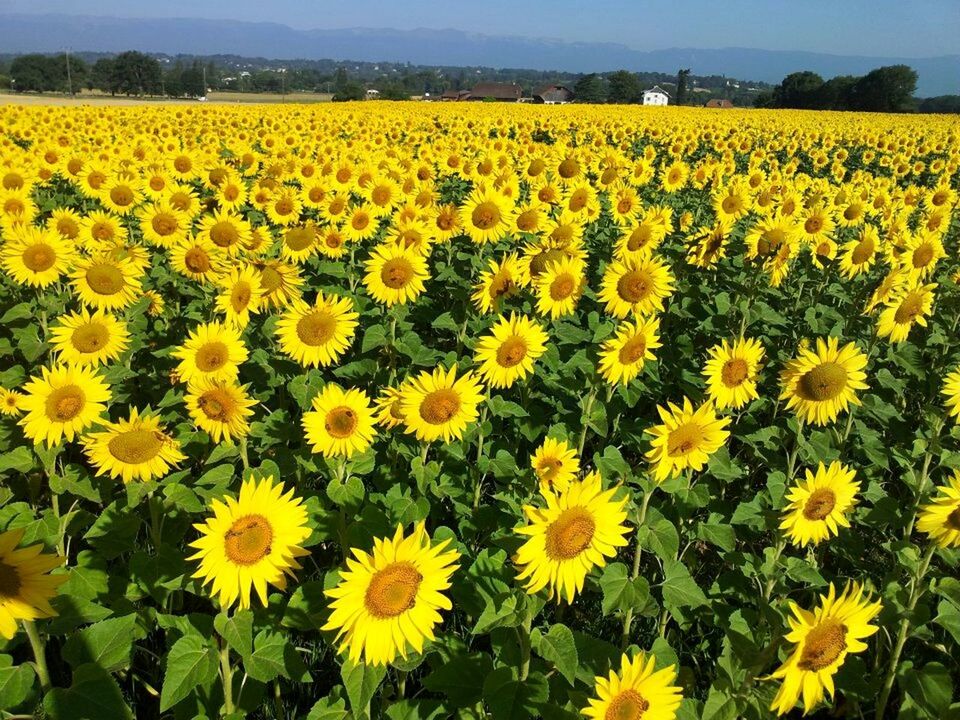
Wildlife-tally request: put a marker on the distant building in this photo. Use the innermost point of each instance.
(502, 92)
(454, 95)
(372, 94)
(718, 103)
(656, 96)
(553, 95)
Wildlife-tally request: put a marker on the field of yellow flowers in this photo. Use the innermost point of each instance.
(479, 411)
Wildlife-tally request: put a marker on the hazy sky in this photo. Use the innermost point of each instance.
(908, 28)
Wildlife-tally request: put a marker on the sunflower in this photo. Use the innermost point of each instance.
(499, 281)
(395, 274)
(11, 402)
(240, 296)
(732, 202)
(317, 335)
(198, 259)
(578, 529)
(486, 215)
(555, 464)
(622, 357)
(25, 583)
(163, 225)
(219, 408)
(213, 351)
(821, 384)
(251, 541)
(635, 286)
(341, 423)
(908, 307)
(280, 282)
(439, 404)
(121, 194)
(822, 639)
(100, 230)
(227, 231)
(731, 372)
(283, 208)
(818, 508)
(86, 339)
(508, 352)
(708, 245)
(923, 251)
(560, 286)
(36, 257)
(940, 519)
(386, 602)
(638, 690)
(62, 402)
(105, 283)
(860, 254)
(136, 448)
(686, 439)
(156, 304)
(389, 407)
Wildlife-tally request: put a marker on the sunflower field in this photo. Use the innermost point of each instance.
(409, 411)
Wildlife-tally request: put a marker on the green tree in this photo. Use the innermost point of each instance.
(590, 89)
(939, 104)
(798, 90)
(624, 87)
(134, 73)
(835, 93)
(682, 85)
(886, 89)
(30, 73)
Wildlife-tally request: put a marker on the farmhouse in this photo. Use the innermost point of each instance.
(553, 95)
(656, 96)
(719, 103)
(454, 95)
(503, 92)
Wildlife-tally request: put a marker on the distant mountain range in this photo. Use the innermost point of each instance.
(52, 33)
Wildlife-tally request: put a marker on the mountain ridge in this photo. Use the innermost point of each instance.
(21, 33)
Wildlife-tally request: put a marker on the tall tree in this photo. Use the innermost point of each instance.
(682, 85)
(798, 90)
(624, 87)
(590, 89)
(886, 89)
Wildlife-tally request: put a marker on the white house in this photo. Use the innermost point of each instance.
(656, 96)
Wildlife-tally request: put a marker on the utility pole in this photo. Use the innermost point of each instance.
(69, 78)
(204, 80)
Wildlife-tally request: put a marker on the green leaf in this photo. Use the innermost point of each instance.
(619, 592)
(509, 698)
(361, 682)
(723, 536)
(558, 647)
(929, 689)
(329, 708)
(108, 643)
(461, 678)
(15, 682)
(93, 695)
(679, 589)
(660, 535)
(237, 630)
(274, 656)
(191, 662)
(20, 460)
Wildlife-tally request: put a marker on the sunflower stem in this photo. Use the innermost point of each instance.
(226, 677)
(525, 645)
(792, 457)
(39, 654)
(587, 409)
(772, 580)
(478, 487)
(916, 591)
(932, 444)
(635, 571)
(244, 458)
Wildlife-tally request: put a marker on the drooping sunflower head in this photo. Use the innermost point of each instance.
(251, 541)
(387, 602)
(819, 506)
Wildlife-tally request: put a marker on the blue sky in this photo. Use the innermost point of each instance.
(907, 28)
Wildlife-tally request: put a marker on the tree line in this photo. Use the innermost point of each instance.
(885, 89)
